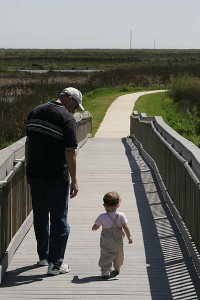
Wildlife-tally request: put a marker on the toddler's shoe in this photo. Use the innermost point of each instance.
(105, 275)
(56, 270)
(117, 271)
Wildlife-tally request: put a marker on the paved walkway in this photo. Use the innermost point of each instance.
(157, 265)
(116, 122)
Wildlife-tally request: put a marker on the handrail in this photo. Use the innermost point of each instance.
(176, 162)
(179, 145)
(180, 157)
(13, 171)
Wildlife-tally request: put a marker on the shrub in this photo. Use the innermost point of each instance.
(185, 89)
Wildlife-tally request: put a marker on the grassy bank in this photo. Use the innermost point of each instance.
(185, 122)
(98, 101)
(97, 104)
(13, 115)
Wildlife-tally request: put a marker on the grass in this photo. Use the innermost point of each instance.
(156, 63)
(98, 106)
(153, 104)
(98, 101)
(186, 123)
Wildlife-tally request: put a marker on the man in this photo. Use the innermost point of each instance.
(51, 163)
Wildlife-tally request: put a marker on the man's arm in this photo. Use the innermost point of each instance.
(26, 150)
(26, 155)
(70, 156)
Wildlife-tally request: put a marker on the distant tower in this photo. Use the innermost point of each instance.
(131, 40)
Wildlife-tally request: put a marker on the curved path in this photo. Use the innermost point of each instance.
(116, 122)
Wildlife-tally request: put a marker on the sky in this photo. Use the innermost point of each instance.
(100, 24)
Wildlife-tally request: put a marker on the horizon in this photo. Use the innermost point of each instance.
(99, 49)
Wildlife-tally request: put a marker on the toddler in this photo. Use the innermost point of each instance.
(111, 241)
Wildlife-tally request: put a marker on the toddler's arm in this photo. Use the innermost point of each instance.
(95, 227)
(128, 234)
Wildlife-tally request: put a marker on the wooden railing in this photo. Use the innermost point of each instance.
(15, 200)
(176, 162)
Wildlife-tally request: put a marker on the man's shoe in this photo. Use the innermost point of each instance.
(56, 270)
(42, 262)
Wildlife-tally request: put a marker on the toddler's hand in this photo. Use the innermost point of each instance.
(130, 240)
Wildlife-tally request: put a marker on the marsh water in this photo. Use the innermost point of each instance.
(8, 99)
(62, 71)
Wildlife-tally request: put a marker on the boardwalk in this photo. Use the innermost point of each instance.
(157, 265)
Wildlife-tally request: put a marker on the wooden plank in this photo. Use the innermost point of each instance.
(157, 265)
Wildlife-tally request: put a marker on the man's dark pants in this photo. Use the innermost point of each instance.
(50, 208)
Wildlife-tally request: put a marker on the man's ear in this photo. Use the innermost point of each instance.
(69, 99)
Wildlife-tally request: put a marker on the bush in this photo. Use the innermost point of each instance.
(185, 92)
(185, 89)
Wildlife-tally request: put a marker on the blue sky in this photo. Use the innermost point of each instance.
(104, 24)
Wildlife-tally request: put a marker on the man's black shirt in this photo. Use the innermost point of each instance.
(50, 130)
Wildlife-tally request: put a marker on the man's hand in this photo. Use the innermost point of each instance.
(70, 156)
(73, 190)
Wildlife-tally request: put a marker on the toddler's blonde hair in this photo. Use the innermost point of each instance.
(111, 199)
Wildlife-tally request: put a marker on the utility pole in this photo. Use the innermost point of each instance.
(131, 40)
(154, 44)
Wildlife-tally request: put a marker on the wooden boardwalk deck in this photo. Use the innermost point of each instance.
(157, 265)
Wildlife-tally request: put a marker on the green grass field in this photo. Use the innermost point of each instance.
(98, 106)
(153, 105)
(186, 123)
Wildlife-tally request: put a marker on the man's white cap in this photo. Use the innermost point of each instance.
(74, 93)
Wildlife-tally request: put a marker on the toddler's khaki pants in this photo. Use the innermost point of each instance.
(112, 253)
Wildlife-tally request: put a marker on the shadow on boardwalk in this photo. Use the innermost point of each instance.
(165, 271)
(170, 267)
(88, 279)
(18, 279)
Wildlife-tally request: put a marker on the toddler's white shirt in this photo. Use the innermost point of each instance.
(105, 221)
